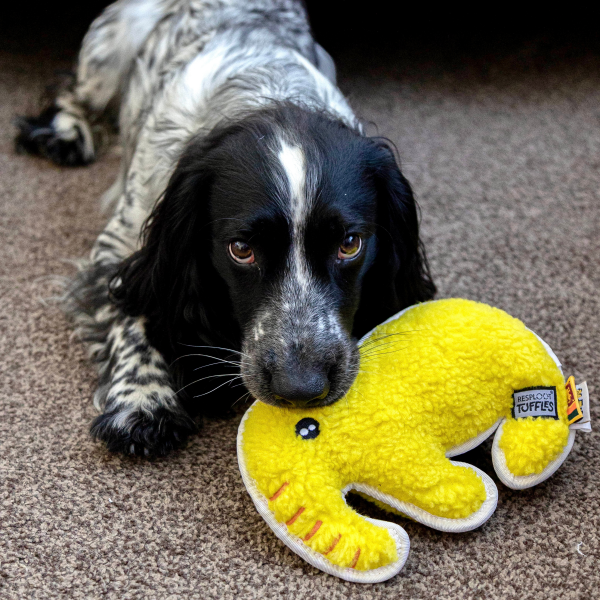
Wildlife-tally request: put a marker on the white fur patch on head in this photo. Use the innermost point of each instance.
(293, 161)
(294, 165)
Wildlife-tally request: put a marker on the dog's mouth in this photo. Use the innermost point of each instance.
(340, 371)
(315, 403)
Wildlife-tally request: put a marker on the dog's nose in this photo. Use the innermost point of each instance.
(300, 388)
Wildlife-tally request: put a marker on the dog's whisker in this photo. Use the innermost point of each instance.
(203, 378)
(378, 350)
(371, 372)
(378, 373)
(383, 337)
(213, 364)
(392, 337)
(375, 354)
(215, 389)
(221, 360)
(378, 346)
(371, 357)
(372, 341)
(242, 396)
(217, 348)
(379, 341)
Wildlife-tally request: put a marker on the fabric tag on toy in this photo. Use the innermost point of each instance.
(578, 405)
(574, 412)
(535, 402)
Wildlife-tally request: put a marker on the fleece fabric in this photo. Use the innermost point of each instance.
(437, 376)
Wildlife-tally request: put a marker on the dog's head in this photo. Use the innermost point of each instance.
(286, 235)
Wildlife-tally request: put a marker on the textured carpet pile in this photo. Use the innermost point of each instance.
(504, 154)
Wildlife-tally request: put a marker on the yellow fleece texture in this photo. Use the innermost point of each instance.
(432, 379)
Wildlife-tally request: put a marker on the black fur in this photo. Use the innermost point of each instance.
(400, 276)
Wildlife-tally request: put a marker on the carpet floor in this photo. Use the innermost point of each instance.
(504, 154)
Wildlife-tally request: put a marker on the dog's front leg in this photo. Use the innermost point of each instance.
(141, 411)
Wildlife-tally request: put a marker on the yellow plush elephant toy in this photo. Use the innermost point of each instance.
(435, 381)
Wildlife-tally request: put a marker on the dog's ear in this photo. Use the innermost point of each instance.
(171, 280)
(400, 275)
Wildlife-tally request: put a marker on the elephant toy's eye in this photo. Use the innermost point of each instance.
(307, 428)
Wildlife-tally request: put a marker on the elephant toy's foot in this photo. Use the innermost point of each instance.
(526, 452)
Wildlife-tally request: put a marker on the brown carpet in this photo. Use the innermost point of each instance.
(505, 157)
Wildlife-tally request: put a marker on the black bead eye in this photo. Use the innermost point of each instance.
(307, 428)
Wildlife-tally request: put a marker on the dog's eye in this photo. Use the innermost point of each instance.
(241, 252)
(350, 247)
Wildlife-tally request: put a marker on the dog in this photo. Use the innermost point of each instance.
(256, 231)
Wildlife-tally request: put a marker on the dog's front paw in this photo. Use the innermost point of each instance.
(149, 433)
(56, 135)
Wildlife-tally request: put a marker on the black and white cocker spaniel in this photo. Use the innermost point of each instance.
(256, 233)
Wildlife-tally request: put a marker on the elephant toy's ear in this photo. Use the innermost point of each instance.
(321, 528)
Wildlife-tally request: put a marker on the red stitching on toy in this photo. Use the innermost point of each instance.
(313, 530)
(335, 542)
(355, 559)
(291, 521)
(279, 492)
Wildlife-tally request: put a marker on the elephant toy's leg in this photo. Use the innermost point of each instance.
(322, 519)
(434, 484)
(528, 451)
